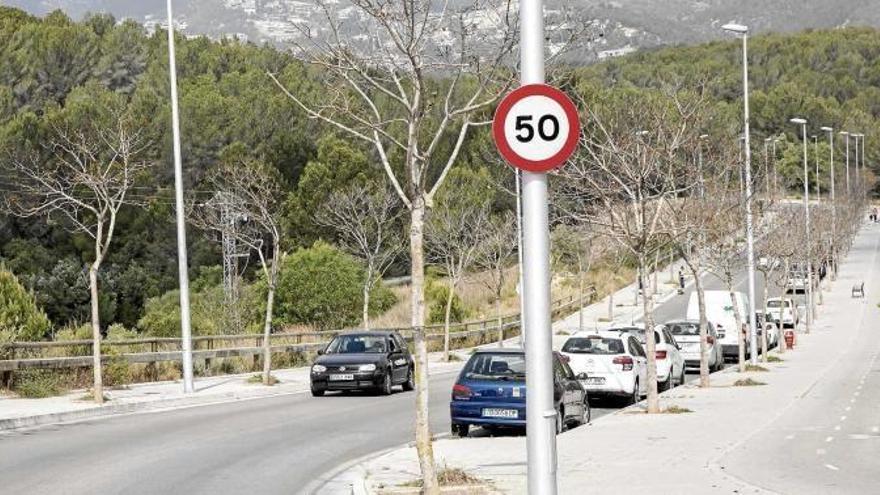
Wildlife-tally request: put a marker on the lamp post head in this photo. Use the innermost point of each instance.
(736, 28)
(827, 129)
(798, 121)
(843, 133)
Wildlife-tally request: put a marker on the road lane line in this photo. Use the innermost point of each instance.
(832, 467)
(829, 439)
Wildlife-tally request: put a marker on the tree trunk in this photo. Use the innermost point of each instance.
(739, 326)
(424, 446)
(764, 333)
(656, 271)
(794, 309)
(611, 305)
(704, 324)
(500, 320)
(98, 385)
(270, 303)
(580, 303)
(446, 315)
(650, 345)
(365, 317)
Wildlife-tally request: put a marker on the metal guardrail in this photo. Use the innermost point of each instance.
(21, 354)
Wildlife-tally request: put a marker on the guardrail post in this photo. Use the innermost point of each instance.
(257, 355)
(208, 359)
(153, 368)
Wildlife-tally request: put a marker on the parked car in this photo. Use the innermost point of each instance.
(687, 334)
(363, 361)
(670, 364)
(719, 311)
(783, 311)
(609, 362)
(766, 324)
(490, 392)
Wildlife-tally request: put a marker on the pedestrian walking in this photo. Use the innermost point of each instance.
(681, 281)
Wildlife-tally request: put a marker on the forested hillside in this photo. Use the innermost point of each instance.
(53, 71)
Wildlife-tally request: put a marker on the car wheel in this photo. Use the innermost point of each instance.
(667, 384)
(385, 389)
(683, 377)
(317, 392)
(587, 416)
(410, 383)
(635, 394)
(460, 431)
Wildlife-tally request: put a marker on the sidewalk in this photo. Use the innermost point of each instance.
(632, 452)
(77, 405)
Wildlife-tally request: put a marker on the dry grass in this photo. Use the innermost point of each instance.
(755, 367)
(774, 359)
(258, 379)
(676, 410)
(747, 382)
(449, 477)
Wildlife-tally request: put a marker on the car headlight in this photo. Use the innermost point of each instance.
(367, 367)
(319, 368)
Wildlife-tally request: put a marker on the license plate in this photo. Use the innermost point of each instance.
(595, 380)
(499, 413)
(343, 377)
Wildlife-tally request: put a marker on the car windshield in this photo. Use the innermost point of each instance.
(640, 333)
(496, 367)
(684, 328)
(777, 304)
(593, 345)
(357, 344)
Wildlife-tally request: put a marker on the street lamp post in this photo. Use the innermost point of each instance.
(182, 265)
(830, 132)
(767, 166)
(750, 240)
(846, 135)
(816, 150)
(808, 264)
(857, 182)
(775, 171)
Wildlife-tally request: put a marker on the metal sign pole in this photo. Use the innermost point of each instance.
(541, 415)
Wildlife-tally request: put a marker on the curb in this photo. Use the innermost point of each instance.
(24, 422)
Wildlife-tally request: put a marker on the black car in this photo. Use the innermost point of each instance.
(363, 361)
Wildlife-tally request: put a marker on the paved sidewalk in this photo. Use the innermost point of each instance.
(77, 405)
(632, 452)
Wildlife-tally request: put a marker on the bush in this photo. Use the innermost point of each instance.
(436, 294)
(37, 384)
(321, 286)
(20, 318)
(209, 313)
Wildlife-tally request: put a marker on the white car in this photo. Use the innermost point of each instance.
(769, 326)
(670, 364)
(687, 334)
(614, 362)
(783, 311)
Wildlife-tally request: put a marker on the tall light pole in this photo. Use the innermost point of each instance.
(816, 150)
(856, 179)
(767, 166)
(519, 254)
(809, 250)
(846, 134)
(541, 417)
(830, 131)
(750, 239)
(860, 160)
(775, 172)
(182, 265)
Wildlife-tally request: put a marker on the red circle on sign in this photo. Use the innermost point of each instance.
(512, 157)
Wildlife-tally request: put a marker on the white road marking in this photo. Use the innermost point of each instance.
(789, 437)
(831, 467)
(837, 428)
(848, 408)
(829, 439)
(875, 429)
(843, 418)
(856, 394)
(820, 451)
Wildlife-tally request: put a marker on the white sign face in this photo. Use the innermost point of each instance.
(536, 128)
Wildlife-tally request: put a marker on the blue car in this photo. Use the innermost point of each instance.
(491, 393)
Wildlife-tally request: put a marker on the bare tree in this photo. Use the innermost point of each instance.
(497, 252)
(366, 220)
(84, 173)
(388, 95)
(455, 231)
(621, 180)
(577, 248)
(251, 193)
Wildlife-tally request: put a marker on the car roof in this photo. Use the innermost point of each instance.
(368, 333)
(498, 350)
(609, 334)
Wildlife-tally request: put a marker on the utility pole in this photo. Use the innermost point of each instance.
(846, 134)
(750, 237)
(519, 255)
(830, 132)
(809, 249)
(816, 150)
(182, 265)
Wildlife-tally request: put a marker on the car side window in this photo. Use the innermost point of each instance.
(392, 346)
(636, 348)
(558, 370)
(669, 337)
(401, 344)
(569, 373)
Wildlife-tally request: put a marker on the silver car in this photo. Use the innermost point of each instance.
(687, 334)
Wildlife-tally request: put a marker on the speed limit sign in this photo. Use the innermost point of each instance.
(536, 128)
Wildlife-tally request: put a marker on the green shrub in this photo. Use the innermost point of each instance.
(209, 315)
(436, 294)
(37, 384)
(321, 286)
(20, 318)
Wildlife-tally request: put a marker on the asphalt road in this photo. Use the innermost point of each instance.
(275, 445)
